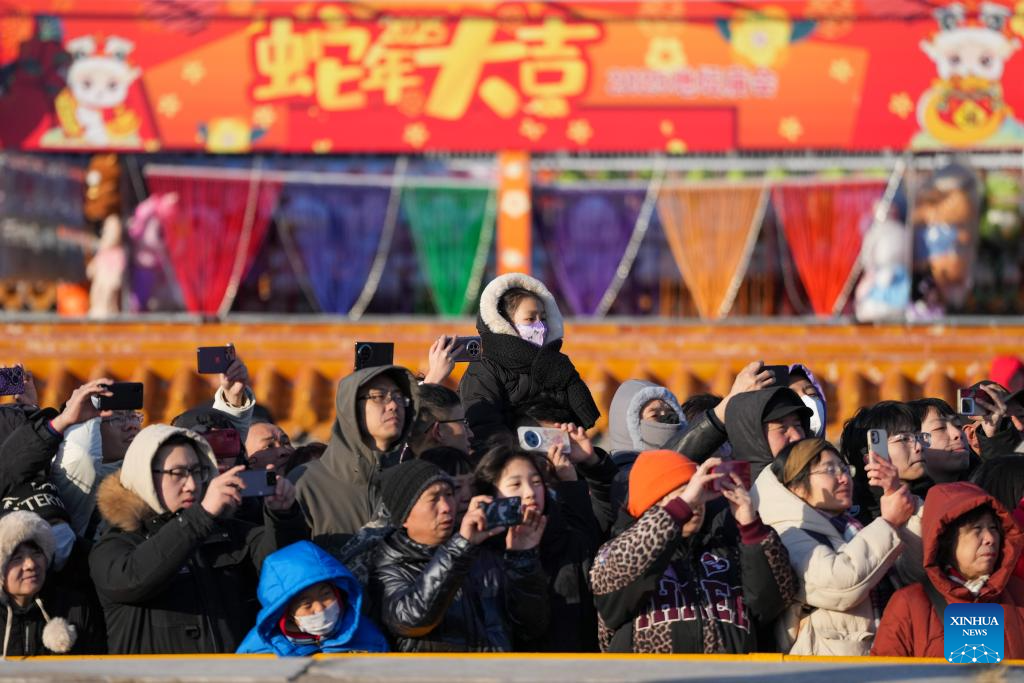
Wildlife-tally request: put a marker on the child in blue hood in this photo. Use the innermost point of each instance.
(311, 604)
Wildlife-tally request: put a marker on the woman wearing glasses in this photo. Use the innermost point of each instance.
(175, 573)
(842, 566)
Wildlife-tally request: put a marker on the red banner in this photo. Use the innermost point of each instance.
(243, 75)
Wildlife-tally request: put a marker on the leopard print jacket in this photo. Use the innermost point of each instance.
(627, 558)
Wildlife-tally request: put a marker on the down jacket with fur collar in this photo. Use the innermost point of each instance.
(181, 583)
(513, 371)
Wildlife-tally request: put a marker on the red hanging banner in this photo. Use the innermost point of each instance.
(824, 225)
(214, 236)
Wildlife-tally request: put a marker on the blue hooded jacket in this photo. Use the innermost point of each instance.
(287, 573)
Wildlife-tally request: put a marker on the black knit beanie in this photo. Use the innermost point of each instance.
(401, 486)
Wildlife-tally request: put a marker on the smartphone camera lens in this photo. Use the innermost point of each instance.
(531, 438)
(364, 352)
(967, 406)
(473, 348)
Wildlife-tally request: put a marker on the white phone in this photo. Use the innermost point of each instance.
(878, 442)
(543, 438)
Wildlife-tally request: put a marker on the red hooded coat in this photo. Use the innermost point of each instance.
(910, 626)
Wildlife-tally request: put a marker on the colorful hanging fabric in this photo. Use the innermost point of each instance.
(711, 230)
(332, 234)
(824, 224)
(585, 231)
(452, 230)
(213, 237)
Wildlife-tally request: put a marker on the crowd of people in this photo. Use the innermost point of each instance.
(714, 524)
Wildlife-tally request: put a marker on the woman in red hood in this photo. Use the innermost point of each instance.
(971, 547)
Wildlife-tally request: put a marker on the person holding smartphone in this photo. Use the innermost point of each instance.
(843, 566)
(439, 588)
(175, 573)
(696, 571)
(570, 541)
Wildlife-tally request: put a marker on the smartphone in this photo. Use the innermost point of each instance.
(126, 396)
(224, 442)
(504, 512)
(740, 467)
(471, 349)
(878, 441)
(966, 403)
(374, 354)
(258, 483)
(542, 438)
(214, 360)
(780, 373)
(12, 381)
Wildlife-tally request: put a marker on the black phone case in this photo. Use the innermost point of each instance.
(127, 396)
(213, 360)
(471, 352)
(258, 484)
(374, 354)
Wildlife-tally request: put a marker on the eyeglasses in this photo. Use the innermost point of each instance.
(909, 438)
(835, 470)
(127, 417)
(385, 397)
(464, 421)
(199, 473)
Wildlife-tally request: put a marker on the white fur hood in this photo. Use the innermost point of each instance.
(492, 319)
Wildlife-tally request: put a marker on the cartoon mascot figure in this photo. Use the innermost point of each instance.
(91, 109)
(965, 105)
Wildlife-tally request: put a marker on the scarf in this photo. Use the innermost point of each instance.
(550, 371)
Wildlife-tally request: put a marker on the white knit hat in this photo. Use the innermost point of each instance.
(27, 527)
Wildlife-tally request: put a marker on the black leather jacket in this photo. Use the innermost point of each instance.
(704, 437)
(458, 597)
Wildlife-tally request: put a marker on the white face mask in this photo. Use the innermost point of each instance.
(817, 407)
(534, 332)
(321, 623)
(65, 537)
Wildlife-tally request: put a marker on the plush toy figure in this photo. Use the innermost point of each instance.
(152, 288)
(946, 233)
(106, 270)
(883, 292)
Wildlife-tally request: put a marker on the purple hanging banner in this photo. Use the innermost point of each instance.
(334, 231)
(585, 232)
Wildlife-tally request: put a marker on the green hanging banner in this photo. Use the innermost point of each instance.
(452, 229)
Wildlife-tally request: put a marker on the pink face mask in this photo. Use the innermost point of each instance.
(534, 332)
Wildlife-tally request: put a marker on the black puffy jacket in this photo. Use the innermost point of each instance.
(457, 597)
(180, 583)
(27, 623)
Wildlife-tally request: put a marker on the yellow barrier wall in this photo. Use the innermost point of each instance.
(296, 366)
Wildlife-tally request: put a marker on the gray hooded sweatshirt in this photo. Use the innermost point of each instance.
(626, 431)
(339, 492)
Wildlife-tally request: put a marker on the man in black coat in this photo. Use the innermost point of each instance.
(441, 591)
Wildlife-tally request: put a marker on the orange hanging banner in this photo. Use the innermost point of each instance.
(514, 212)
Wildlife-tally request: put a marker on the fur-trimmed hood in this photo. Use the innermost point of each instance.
(129, 498)
(491, 320)
(626, 431)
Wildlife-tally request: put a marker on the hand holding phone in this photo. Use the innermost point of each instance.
(121, 396)
(468, 350)
(374, 354)
(878, 443)
(214, 360)
(543, 438)
(728, 467)
(12, 381)
(258, 483)
(504, 512)
(780, 373)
